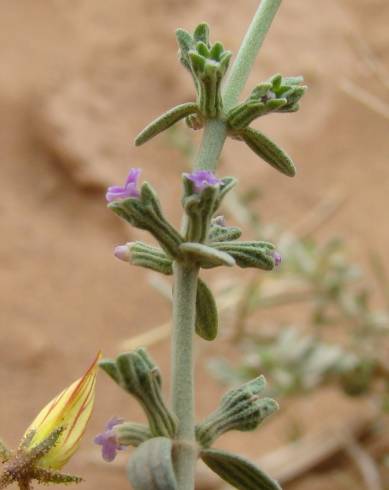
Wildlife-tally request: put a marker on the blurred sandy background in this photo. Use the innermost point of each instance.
(78, 79)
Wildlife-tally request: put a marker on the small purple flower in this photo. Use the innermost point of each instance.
(202, 179)
(108, 440)
(116, 193)
(277, 258)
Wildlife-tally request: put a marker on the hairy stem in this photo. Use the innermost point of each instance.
(215, 133)
(185, 276)
(248, 51)
(184, 311)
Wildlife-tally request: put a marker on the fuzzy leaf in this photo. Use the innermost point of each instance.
(206, 256)
(238, 471)
(268, 151)
(185, 43)
(227, 184)
(201, 33)
(141, 377)
(137, 374)
(165, 121)
(151, 466)
(249, 254)
(109, 366)
(207, 320)
(150, 257)
(223, 233)
(145, 213)
(132, 434)
(200, 208)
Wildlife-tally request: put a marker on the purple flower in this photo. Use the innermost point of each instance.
(115, 192)
(277, 258)
(202, 179)
(108, 440)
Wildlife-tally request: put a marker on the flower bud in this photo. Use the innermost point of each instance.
(240, 409)
(136, 373)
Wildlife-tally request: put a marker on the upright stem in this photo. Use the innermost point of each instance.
(185, 276)
(184, 311)
(248, 51)
(215, 133)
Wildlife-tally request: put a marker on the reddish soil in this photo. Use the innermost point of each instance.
(78, 79)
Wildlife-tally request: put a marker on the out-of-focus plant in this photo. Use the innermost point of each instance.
(52, 438)
(341, 338)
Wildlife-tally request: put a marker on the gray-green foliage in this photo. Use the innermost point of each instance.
(238, 471)
(136, 373)
(240, 409)
(207, 242)
(207, 63)
(333, 292)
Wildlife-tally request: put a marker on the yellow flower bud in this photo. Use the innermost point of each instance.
(71, 410)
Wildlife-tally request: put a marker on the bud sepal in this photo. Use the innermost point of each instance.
(203, 194)
(240, 409)
(278, 94)
(147, 256)
(137, 374)
(145, 213)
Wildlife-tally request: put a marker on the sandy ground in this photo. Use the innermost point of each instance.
(78, 79)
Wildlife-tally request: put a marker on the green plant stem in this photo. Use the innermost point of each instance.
(215, 130)
(185, 276)
(184, 311)
(248, 51)
(214, 136)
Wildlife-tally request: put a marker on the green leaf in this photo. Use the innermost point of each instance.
(185, 43)
(151, 466)
(184, 40)
(238, 471)
(202, 49)
(165, 121)
(137, 374)
(150, 257)
(249, 254)
(110, 368)
(132, 434)
(216, 51)
(206, 256)
(268, 151)
(223, 233)
(201, 33)
(227, 184)
(200, 208)
(145, 213)
(207, 320)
